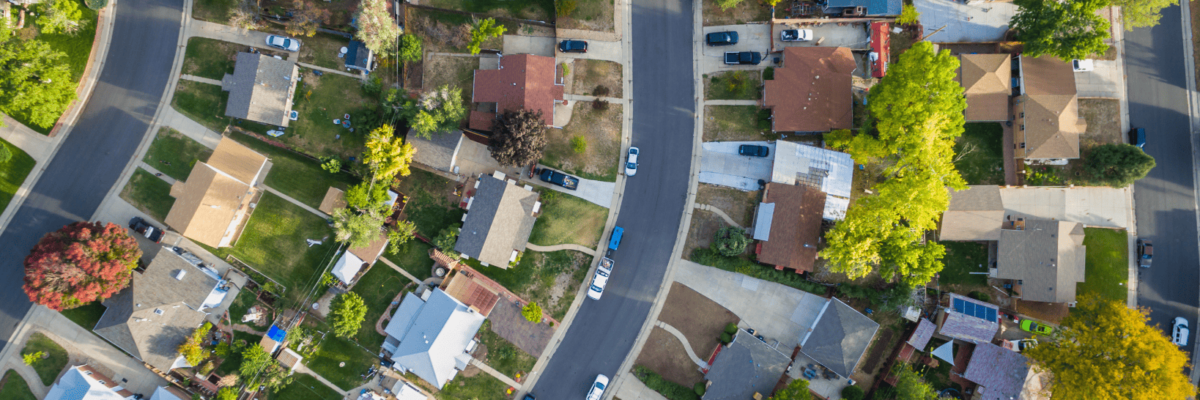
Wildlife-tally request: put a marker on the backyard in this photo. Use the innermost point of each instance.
(453, 71)
(743, 12)
(568, 219)
(730, 123)
(297, 176)
(76, 48)
(598, 156)
(319, 101)
(13, 174)
(549, 279)
(591, 15)
(733, 85)
(1107, 272)
(14, 387)
(333, 351)
(963, 258)
(596, 78)
(479, 386)
(414, 258)
(245, 299)
(979, 156)
(322, 50)
(541, 10)
(429, 202)
(305, 387)
(149, 194)
(377, 288)
(174, 154)
(53, 360)
(503, 355)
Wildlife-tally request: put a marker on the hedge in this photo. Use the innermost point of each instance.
(668, 389)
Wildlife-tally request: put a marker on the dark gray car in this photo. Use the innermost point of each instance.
(754, 150)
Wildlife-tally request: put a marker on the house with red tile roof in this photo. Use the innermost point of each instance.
(522, 81)
(811, 91)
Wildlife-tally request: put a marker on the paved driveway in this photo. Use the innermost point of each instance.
(1104, 81)
(597, 50)
(853, 36)
(750, 38)
(975, 22)
(596, 192)
(722, 165)
(539, 45)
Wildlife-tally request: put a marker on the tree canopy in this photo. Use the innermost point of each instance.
(1064, 29)
(411, 48)
(60, 16)
(795, 390)
(376, 27)
(80, 263)
(439, 110)
(532, 312)
(482, 30)
(1104, 350)
(357, 228)
(387, 154)
(918, 113)
(306, 18)
(1118, 164)
(518, 138)
(35, 81)
(911, 386)
(346, 314)
(730, 241)
(1142, 13)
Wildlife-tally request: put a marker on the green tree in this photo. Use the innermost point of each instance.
(5, 153)
(482, 30)
(1104, 350)
(60, 16)
(445, 241)
(367, 196)
(346, 314)
(1118, 164)
(306, 17)
(1065, 29)
(255, 360)
(357, 228)
(918, 109)
(1142, 13)
(727, 4)
(35, 82)
(402, 233)
(376, 27)
(532, 312)
(518, 138)
(435, 111)
(387, 154)
(331, 164)
(911, 386)
(730, 241)
(797, 389)
(852, 392)
(411, 48)
(908, 16)
(227, 393)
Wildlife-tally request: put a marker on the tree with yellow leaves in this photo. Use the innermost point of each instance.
(387, 154)
(1105, 350)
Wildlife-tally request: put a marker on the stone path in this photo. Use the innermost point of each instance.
(332, 71)
(296, 202)
(29, 374)
(400, 270)
(493, 372)
(387, 314)
(579, 97)
(731, 102)
(246, 329)
(301, 368)
(557, 247)
(686, 346)
(719, 213)
(194, 78)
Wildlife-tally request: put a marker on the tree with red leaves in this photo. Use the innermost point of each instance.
(80, 263)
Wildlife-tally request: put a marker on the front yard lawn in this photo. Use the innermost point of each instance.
(733, 85)
(429, 206)
(217, 11)
(568, 219)
(55, 357)
(86, 315)
(601, 132)
(322, 50)
(982, 157)
(744, 12)
(14, 387)
(377, 287)
(149, 194)
(13, 174)
(414, 258)
(590, 15)
(479, 387)
(320, 100)
(76, 47)
(596, 78)
(203, 103)
(174, 154)
(305, 387)
(335, 350)
(728, 123)
(549, 279)
(210, 58)
(1107, 272)
(961, 259)
(503, 355)
(299, 177)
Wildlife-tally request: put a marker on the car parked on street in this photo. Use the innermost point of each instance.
(743, 58)
(721, 38)
(1137, 137)
(283, 43)
(1145, 252)
(754, 150)
(572, 46)
(559, 178)
(151, 232)
(1036, 328)
(1179, 332)
(528, 396)
(796, 35)
(597, 390)
(631, 162)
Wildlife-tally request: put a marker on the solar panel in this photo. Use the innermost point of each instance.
(969, 308)
(991, 314)
(981, 312)
(958, 305)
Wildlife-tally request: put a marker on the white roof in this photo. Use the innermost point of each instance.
(347, 267)
(433, 335)
(161, 393)
(831, 171)
(403, 391)
(762, 222)
(74, 385)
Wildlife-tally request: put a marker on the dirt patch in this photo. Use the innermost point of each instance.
(449, 70)
(700, 319)
(1103, 118)
(596, 78)
(508, 322)
(1051, 312)
(438, 35)
(601, 129)
(746, 11)
(885, 343)
(737, 204)
(590, 15)
(664, 354)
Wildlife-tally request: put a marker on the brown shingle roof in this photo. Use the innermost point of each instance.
(975, 213)
(811, 92)
(1047, 113)
(795, 226)
(237, 161)
(1048, 256)
(986, 81)
(211, 200)
(371, 252)
(334, 199)
(523, 81)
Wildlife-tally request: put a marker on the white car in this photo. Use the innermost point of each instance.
(1179, 334)
(1082, 65)
(631, 162)
(284, 43)
(796, 35)
(597, 389)
(598, 282)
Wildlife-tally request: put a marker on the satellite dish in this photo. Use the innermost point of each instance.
(316, 306)
(343, 50)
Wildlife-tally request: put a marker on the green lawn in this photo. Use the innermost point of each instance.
(76, 47)
(983, 163)
(377, 287)
(181, 152)
(299, 177)
(478, 387)
(962, 258)
(414, 258)
(503, 355)
(15, 387)
(305, 387)
(13, 173)
(86, 315)
(1107, 264)
(534, 277)
(217, 11)
(203, 103)
(428, 206)
(209, 58)
(335, 350)
(319, 101)
(728, 123)
(733, 85)
(56, 357)
(322, 50)
(241, 304)
(568, 219)
(149, 194)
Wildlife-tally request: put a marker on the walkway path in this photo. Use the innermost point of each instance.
(246, 329)
(194, 78)
(491, 371)
(156, 172)
(557, 247)
(301, 368)
(400, 270)
(719, 213)
(296, 202)
(38, 146)
(579, 97)
(190, 128)
(686, 346)
(29, 374)
(731, 102)
(329, 70)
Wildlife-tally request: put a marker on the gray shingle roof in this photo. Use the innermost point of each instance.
(975, 213)
(261, 89)
(1047, 256)
(433, 335)
(1000, 371)
(499, 221)
(839, 337)
(438, 152)
(745, 366)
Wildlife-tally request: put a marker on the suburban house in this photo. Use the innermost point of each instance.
(969, 320)
(439, 152)
(987, 83)
(811, 91)
(261, 89)
(838, 338)
(170, 393)
(1002, 374)
(358, 57)
(1043, 258)
(500, 217)
(470, 287)
(356, 258)
(160, 309)
(787, 226)
(917, 340)
(214, 204)
(859, 8)
(523, 81)
(729, 378)
(1045, 116)
(85, 383)
(830, 171)
(431, 335)
(975, 214)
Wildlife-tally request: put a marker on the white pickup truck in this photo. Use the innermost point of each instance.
(601, 278)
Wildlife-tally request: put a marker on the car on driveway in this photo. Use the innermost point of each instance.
(1137, 137)
(572, 46)
(1179, 332)
(1026, 344)
(284, 43)
(1036, 328)
(597, 390)
(559, 178)
(754, 150)
(1082, 65)
(743, 57)
(721, 38)
(631, 162)
(1145, 252)
(796, 35)
(151, 232)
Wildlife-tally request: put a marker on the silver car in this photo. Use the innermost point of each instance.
(283, 43)
(631, 162)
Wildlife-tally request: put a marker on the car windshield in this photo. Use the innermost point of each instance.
(287, 43)
(596, 288)
(631, 165)
(599, 386)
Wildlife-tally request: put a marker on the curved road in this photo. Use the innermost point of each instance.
(603, 332)
(106, 136)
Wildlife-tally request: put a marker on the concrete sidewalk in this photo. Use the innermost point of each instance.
(37, 145)
(230, 34)
(192, 129)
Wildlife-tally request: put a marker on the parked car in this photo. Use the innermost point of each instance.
(572, 46)
(743, 58)
(151, 232)
(631, 162)
(754, 150)
(284, 43)
(559, 178)
(796, 35)
(1145, 252)
(1137, 137)
(600, 280)
(1082, 65)
(597, 389)
(1026, 344)
(1179, 333)
(528, 396)
(1036, 328)
(721, 38)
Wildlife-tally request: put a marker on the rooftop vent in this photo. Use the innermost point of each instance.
(180, 274)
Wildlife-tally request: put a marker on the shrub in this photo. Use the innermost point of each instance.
(764, 119)
(411, 48)
(908, 15)
(852, 393)
(205, 368)
(600, 105)
(445, 242)
(566, 68)
(668, 389)
(1118, 164)
(731, 328)
(709, 257)
(579, 144)
(726, 338)
(699, 388)
(727, 4)
(532, 312)
(32, 358)
(769, 74)
(96, 4)
(564, 8)
(5, 153)
(600, 91)
(981, 296)
(731, 241)
(331, 165)
(373, 86)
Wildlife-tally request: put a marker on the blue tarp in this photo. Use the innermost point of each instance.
(874, 7)
(276, 334)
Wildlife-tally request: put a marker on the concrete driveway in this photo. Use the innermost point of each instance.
(597, 50)
(597, 192)
(1106, 80)
(976, 22)
(723, 166)
(755, 37)
(537, 45)
(853, 36)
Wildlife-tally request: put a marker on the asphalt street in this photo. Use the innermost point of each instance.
(1166, 199)
(603, 331)
(106, 136)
